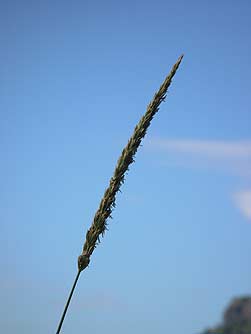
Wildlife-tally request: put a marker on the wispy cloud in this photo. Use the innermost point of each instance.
(227, 156)
(212, 148)
(232, 155)
(242, 200)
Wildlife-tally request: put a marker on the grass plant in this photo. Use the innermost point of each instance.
(107, 204)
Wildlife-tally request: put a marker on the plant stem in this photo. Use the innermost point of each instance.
(67, 303)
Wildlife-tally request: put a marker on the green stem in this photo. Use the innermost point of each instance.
(67, 303)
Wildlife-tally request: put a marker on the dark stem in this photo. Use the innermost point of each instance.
(67, 303)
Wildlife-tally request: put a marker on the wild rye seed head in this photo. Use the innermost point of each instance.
(107, 204)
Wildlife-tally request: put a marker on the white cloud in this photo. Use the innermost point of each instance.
(231, 155)
(242, 200)
(227, 156)
(210, 148)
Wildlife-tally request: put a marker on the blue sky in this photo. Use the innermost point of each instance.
(75, 79)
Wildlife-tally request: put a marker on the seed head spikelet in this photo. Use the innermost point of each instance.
(107, 203)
